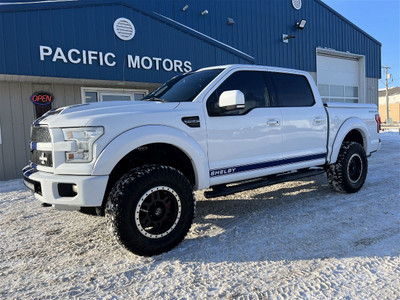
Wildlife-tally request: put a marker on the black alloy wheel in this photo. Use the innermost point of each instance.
(150, 209)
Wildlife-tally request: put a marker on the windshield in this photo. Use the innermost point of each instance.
(183, 88)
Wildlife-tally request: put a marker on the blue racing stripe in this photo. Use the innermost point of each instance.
(264, 165)
(32, 165)
(26, 172)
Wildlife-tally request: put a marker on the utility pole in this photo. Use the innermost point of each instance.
(387, 76)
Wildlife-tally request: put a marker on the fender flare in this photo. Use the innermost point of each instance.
(129, 140)
(345, 128)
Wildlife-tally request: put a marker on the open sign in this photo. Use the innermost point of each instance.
(42, 98)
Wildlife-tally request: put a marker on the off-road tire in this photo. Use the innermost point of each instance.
(157, 195)
(349, 172)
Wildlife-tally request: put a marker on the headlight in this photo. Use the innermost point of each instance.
(84, 138)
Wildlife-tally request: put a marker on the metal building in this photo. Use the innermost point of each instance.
(102, 50)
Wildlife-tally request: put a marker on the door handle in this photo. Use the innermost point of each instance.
(318, 121)
(273, 122)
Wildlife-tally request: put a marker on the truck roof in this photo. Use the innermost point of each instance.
(256, 67)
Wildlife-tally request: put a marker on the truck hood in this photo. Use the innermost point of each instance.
(101, 113)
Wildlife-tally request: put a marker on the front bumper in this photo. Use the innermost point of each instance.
(67, 192)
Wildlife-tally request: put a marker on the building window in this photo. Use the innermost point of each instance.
(338, 93)
(90, 95)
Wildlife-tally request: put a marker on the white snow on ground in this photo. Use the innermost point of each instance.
(292, 240)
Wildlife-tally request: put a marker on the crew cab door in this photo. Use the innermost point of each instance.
(304, 120)
(242, 142)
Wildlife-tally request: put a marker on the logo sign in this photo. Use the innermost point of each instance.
(42, 98)
(43, 158)
(124, 30)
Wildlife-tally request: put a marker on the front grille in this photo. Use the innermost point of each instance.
(40, 134)
(42, 158)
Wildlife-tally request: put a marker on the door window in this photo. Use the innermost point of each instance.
(251, 83)
(291, 90)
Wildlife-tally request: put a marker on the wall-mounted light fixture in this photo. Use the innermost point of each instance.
(301, 24)
(185, 7)
(204, 12)
(286, 38)
(231, 21)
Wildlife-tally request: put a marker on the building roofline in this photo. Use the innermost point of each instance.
(391, 91)
(347, 21)
(55, 4)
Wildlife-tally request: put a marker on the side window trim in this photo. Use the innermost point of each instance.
(312, 93)
(271, 88)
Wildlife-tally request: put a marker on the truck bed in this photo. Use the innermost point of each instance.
(356, 115)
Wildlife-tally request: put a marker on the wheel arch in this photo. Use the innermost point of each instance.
(352, 130)
(153, 145)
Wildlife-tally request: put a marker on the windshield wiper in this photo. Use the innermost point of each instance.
(154, 99)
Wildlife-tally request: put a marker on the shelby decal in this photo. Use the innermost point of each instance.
(264, 165)
(109, 59)
(222, 172)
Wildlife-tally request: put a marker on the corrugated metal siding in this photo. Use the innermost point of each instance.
(258, 29)
(90, 28)
(372, 90)
(259, 26)
(7, 156)
(16, 116)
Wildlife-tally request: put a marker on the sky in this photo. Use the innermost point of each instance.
(381, 20)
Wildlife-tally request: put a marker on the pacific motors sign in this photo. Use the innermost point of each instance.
(109, 59)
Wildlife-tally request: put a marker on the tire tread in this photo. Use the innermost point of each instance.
(117, 210)
(337, 172)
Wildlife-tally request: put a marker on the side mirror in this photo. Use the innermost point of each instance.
(231, 100)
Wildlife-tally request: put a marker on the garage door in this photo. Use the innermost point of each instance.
(338, 78)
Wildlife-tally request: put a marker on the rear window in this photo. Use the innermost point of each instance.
(291, 90)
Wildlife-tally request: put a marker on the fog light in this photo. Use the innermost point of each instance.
(67, 189)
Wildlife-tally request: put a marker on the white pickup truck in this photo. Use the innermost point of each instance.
(226, 129)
